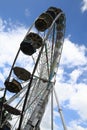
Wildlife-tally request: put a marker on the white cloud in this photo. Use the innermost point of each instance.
(9, 44)
(2, 26)
(74, 125)
(75, 74)
(78, 100)
(27, 12)
(73, 55)
(84, 5)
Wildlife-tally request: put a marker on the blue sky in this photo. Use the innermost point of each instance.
(16, 16)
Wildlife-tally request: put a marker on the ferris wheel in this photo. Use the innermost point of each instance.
(29, 90)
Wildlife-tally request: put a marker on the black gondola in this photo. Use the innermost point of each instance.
(5, 127)
(21, 73)
(43, 22)
(31, 42)
(35, 39)
(60, 20)
(27, 48)
(12, 110)
(13, 86)
(60, 26)
(59, 35)
(53, 11)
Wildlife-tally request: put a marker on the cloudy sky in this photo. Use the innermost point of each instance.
(71, 86)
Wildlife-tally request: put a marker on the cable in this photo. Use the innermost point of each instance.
(52, 110)
(60, 111)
